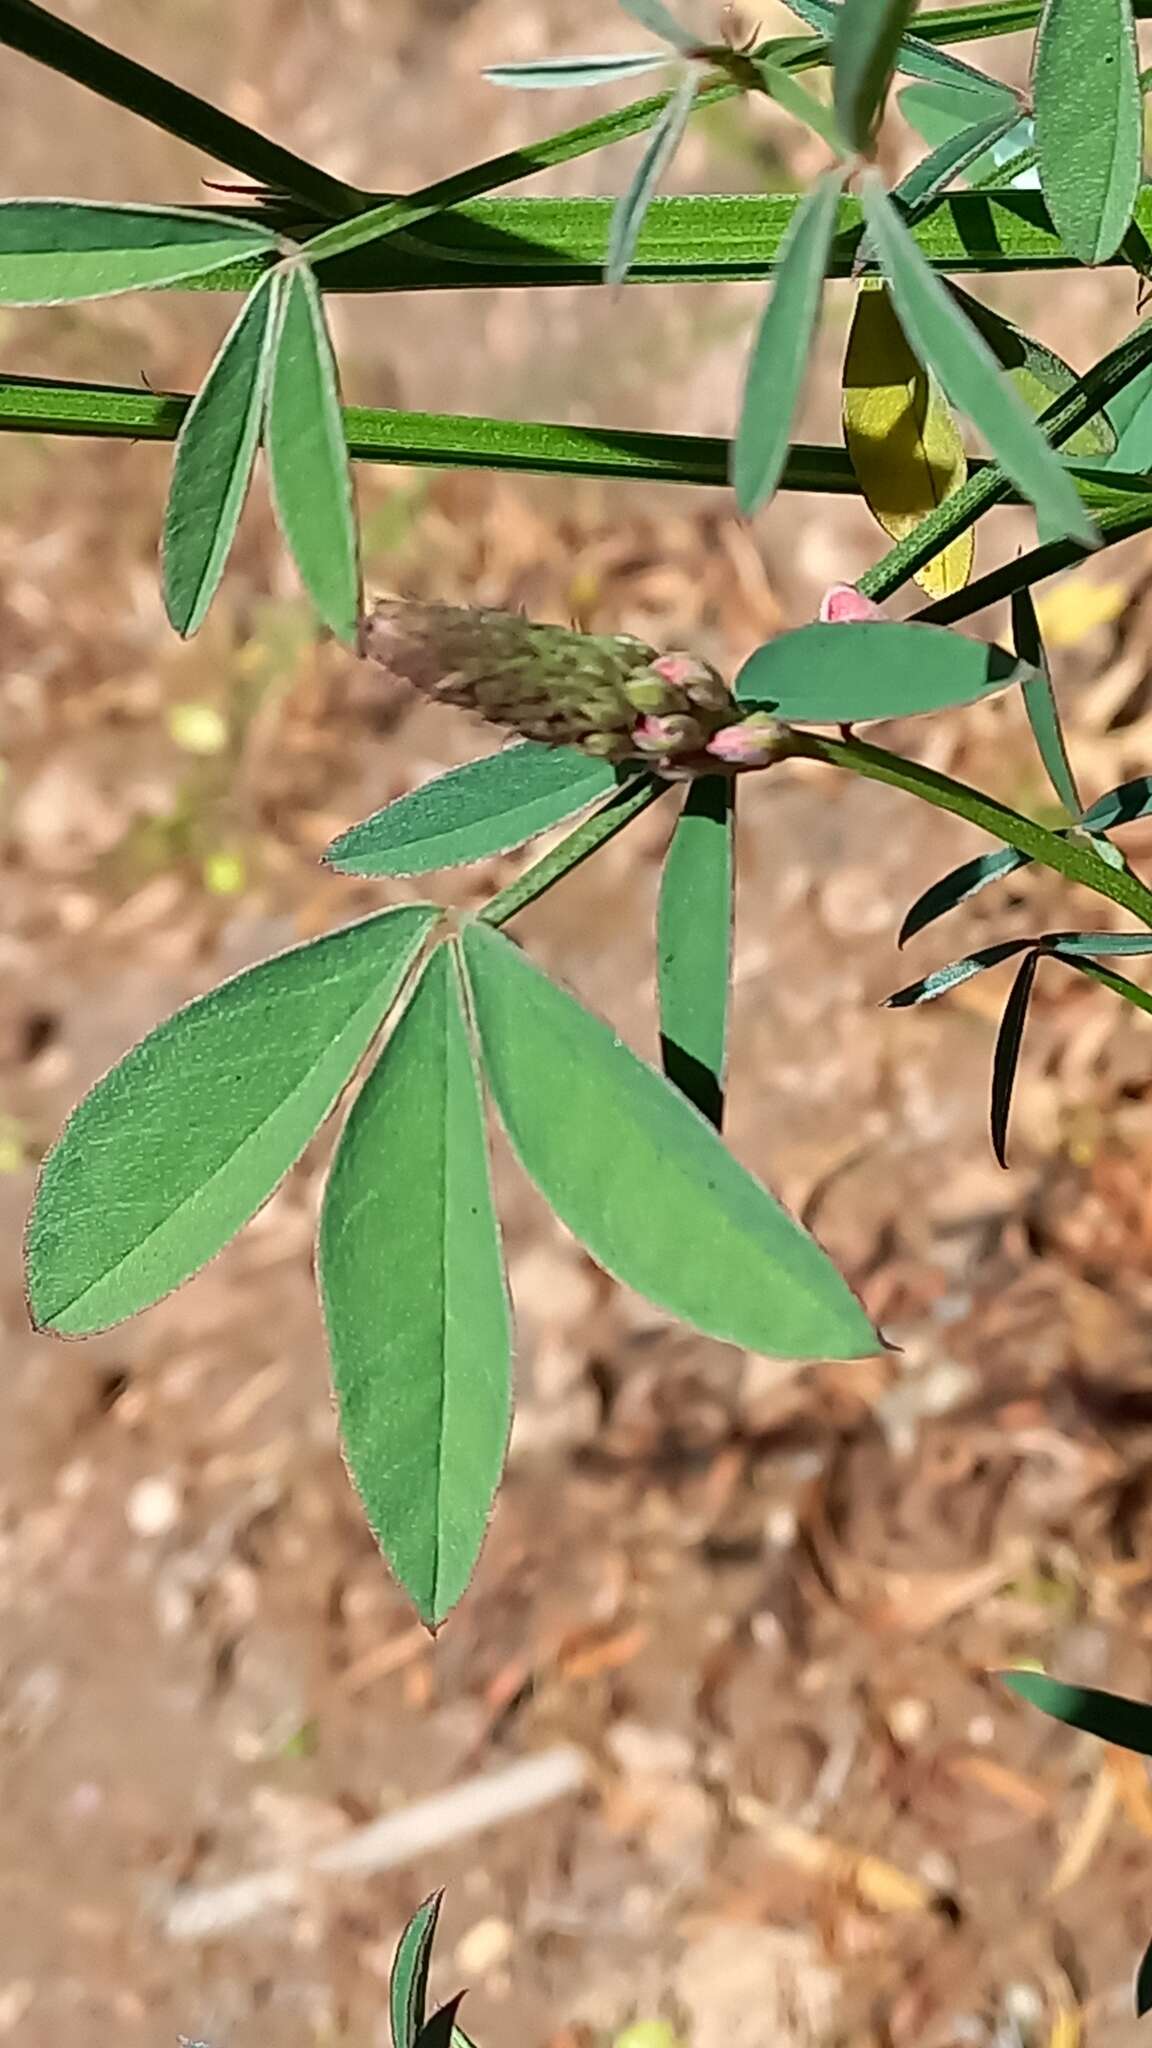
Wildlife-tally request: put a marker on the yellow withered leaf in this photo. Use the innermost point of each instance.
(900, 433)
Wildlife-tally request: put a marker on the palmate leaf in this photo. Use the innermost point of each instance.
(549, 73)
(308, 456)
(781, 351)
(787, 91)
(885, 668)
(184, 1140)
(904, 443)
(865, 45)
(1006, 1059)
(213, 460)
(1089, 121)
(628, 216)
(484, 807)
(642, 1179)
(54, 252)
(967, 370)
(694, 944)
(415, 1304)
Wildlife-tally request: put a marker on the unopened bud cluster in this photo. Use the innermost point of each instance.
(609, 695)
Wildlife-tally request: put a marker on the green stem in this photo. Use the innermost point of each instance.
(587, 839)
(1067, 857)
(1080, 403)
(60, 46)
(1116, 522)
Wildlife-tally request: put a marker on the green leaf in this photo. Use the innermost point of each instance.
(780, 355)
(414, 1299)
(653, 15)
(1038, 374)
(485, 807)
(441, 2030)
(945, 979)
(308, 457)
(1040, 703)
(642, 1179)
(947, 108)
(550, 72)
(56, 251)
(212, 465)
(865, 46)
(961, 152)
(787, 91)
(1125, 1722)
(408, 1984)
(879, 668)
(1144, 1984)
(1099, 945)
(1120, 806)
(959, 887)
(967, 369)
(919, 59)
(694, 944)
(1107, 977)
(1089, 122)
(1009, 1040)
(184, 1140)
(628, 215)
(1130, 413)
(904, 443)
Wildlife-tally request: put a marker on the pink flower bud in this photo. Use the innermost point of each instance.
(844, 605)
(754, 743)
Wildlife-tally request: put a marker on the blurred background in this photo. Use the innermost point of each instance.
(763, 1602)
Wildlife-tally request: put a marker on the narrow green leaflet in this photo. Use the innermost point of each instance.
(628, 216)
(925, 183)
(878, 668)
(1120, 806)
(959, 887)
(408, 1984)
(1107, 977)
(212, 465)
(787, 91)
(181, 1142)
(56, 251)
(915, 57)
(485, 807)
(1099, 945)
(1130, 414)
(694, 944)
(414, 1299)
(945, 109)
(1040, 703)
(1089, 122)
(551, 72)
(1009, 1040)
(1144, 1984)
(945, 979)
(441, 2030)
(865, 45)
(781, 352)
(653, 15)
(1125, 1722)
(1038, 374)
(967, 369)
(642, 1179)
(308, 457)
